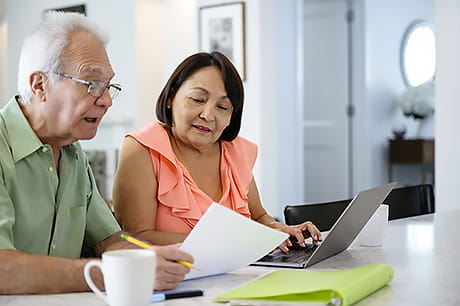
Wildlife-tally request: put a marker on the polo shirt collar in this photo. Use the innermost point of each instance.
(23, 140)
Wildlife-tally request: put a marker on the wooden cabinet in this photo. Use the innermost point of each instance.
(411, 151)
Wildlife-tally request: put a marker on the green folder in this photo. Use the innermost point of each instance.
(337, 287)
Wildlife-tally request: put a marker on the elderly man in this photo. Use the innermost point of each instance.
(50, 209)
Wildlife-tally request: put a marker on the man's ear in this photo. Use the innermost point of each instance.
(37, 81)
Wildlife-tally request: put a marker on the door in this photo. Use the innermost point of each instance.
(326, 88)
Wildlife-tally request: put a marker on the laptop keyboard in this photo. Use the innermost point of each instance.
(296, 254)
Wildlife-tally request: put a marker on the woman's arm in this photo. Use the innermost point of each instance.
(300, 231)
(135, 195)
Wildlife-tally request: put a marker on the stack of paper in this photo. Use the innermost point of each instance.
(337, 287)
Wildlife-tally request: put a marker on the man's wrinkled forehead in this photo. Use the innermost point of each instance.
(88, 56)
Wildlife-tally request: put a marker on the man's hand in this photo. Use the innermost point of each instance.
(168, 271)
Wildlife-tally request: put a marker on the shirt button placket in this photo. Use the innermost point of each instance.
(44, 150)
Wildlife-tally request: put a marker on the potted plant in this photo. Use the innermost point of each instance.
(418, 102)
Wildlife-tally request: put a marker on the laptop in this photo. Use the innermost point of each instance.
(343, 232)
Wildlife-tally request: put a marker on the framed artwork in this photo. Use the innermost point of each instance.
(222, 28)
(81, 9)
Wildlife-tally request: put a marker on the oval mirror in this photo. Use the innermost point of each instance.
(418, 54)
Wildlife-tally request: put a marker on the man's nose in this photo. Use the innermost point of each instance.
(105, 99)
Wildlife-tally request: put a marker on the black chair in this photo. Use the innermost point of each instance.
(410, 201)
(403, 202)
(323, 215)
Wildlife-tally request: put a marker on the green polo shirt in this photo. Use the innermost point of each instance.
(41, 211)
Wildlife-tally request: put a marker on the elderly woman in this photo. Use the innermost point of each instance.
(172, 170)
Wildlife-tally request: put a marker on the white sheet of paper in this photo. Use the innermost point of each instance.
(223, 241)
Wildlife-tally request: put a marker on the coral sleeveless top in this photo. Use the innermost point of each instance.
(181, 203)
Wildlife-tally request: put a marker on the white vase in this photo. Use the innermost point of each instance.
(426, 128)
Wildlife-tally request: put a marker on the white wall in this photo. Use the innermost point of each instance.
(272, 87)
(3, 54)
(385, 25)
(285, 116)
(150, 38)
(270, 112)
(377, 32)
(447, 29)
(166, 34)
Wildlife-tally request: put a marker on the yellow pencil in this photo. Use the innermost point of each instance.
(187, 264)
(148, 246)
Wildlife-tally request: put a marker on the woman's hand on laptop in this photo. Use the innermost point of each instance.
(299, 232)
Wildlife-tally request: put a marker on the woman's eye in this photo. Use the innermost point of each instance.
(196, 99)
(222, 107)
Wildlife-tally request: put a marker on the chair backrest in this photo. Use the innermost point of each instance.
(403, 202)
(410, 201)
(323, 215)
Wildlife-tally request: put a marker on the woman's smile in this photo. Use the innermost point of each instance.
(202, 128)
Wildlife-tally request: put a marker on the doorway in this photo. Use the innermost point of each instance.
(327, 112)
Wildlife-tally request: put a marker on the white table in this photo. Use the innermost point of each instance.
(422, 250)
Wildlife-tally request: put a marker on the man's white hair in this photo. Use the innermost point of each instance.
(44, 49)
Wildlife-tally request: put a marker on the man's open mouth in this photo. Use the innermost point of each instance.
(90, 119)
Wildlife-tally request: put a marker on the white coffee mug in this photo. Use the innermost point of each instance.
(129, 276)
(375, 230)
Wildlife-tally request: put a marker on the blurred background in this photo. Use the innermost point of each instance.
(323, 80)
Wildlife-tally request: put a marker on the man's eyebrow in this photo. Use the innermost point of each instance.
(90, 70)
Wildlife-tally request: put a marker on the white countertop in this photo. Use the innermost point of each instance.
(423, 252)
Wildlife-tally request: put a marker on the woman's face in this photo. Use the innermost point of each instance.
(201, 109)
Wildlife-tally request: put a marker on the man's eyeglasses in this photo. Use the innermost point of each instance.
(96, 88)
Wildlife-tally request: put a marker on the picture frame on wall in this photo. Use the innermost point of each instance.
(80, 9)
(222, 29)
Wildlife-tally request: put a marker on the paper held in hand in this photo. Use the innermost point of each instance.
(223, 241)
